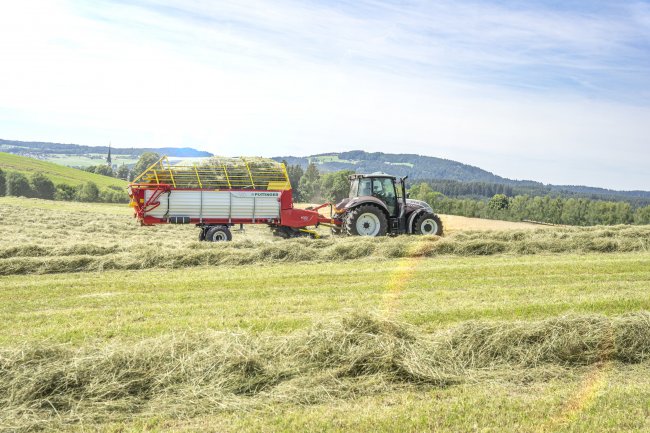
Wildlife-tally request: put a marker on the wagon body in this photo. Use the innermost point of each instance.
(220, 192)
(218, 206)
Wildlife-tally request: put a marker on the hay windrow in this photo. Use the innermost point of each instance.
(165, 248)
(343, 358)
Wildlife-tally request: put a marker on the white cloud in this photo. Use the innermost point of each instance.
(526, 93)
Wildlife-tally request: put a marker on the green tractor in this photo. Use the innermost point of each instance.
(378, 205)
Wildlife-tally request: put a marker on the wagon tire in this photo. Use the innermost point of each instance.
(218, 234)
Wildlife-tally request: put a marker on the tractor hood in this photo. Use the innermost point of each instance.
(347, 203)
(412, 204)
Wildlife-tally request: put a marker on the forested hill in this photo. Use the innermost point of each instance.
(44, 149)
(401, 164)
(453, 178)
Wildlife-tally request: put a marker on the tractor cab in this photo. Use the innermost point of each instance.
(378, 185)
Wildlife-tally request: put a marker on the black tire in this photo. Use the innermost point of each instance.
(218, 234)
(202, 234)
(363, 217)
(282, 232)
(427, 224)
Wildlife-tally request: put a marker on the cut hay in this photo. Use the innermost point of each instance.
(43, 241)
(166, 249)
(360, 354)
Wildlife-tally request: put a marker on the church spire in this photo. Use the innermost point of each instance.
(109, 160)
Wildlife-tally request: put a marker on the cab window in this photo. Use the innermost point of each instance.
(383, 188)
(354, 188)
(365, 187)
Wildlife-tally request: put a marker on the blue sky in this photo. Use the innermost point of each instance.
(555, 91)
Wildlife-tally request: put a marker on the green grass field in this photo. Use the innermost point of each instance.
(57, 173)
(105, 325)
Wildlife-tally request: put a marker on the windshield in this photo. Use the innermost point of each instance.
(354, 188)
(360, 187)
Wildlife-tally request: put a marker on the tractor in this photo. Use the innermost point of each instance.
(379, 205)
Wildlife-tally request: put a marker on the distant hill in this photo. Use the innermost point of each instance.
(402, 164)
(75, 155)
(460, 179)
(452, 177)
(57, 173)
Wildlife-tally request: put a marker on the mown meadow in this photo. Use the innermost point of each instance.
(105, 325)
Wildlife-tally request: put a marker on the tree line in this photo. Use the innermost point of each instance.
(547, 209)
(38, 185)
(310, 186)
(479, 190)
(454, 188)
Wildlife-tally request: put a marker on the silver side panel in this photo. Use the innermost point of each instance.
(217, 204)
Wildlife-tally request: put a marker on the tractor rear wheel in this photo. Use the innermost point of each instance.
(366, 220)
(428, 224)
(218, 234)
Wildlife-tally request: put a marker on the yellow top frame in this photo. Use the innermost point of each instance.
(219, 173)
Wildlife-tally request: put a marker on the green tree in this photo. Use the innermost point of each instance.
(421, 191)
(642, 215)
(574, 211)
(114, 194)
(295, 173)
(108, 196)
(517, 207)
(499, 202)
(104, 170)
(3, 183)
(88, 192)
(624, 214)
(65, 192)
(146, 160)
(123, 172)
(17, 185)
(554, 210)
(335, 186)
(42, 186)
(310, 184)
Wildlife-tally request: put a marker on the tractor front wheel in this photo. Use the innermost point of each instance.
(366, 220)
(428, 224)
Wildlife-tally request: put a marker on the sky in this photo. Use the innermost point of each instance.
(553, 91)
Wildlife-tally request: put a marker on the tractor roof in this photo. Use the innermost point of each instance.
(375, 174)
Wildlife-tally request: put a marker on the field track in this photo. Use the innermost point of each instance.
(454, 224)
